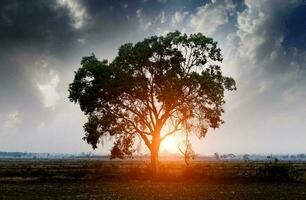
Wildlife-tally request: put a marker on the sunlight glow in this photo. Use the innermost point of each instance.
(169, 145)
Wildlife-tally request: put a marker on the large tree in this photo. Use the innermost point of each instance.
(172, 81)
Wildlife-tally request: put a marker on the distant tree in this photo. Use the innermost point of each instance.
(246, 157)
(216, 155)
(162, 81)
(301, 156)
(116, 152)
(285, 156)
(269, 157)
(231, 155)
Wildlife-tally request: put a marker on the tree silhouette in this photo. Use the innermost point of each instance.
(187, 150)
(171, 81)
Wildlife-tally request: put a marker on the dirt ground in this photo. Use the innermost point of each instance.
(150, 190)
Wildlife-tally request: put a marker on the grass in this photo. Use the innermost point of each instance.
(140, 170)
(79, 179)
(150, 190)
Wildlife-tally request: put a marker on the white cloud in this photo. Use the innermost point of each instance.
(144, 22)
(212, 15)
(250, 23)
(162, 17)
(139, 13)
(12, 120)
(76, 12)
(262, 28)
(49, 92)
(147, 25)
(178, 17)
(82, 40)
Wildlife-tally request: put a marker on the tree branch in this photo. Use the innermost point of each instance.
(145, 121)
(173, 131)
(141, 133)
(169, 133)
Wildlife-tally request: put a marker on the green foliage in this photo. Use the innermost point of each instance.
(173, 80)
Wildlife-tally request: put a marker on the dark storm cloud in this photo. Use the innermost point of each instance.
(40, 25)
(120, 19)
(39, 39)
(272, 34)
(28, 30)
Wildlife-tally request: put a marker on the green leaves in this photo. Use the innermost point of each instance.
(158, 81)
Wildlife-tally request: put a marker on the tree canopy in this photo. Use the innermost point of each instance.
(173, 80)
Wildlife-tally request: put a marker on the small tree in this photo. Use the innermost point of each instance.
(171, 80)
(116, 152)
(187, 150)
(216, 156)
(246, 157)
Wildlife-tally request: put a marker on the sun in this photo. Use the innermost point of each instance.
(169, 144)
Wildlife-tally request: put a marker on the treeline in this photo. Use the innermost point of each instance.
(30, 155)
(22, 155)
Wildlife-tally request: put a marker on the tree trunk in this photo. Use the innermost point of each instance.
(154, 156)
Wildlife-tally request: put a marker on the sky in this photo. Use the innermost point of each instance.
(263, 43)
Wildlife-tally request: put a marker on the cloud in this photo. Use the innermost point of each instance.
(270, 73)
(259, 41)
(49, 92)
(76, 12)
(31, 31)
(147, 25)
(42, 43)
(139, 12)
(265, 33)
(12, 120)
(255, 30)
(211, 16)
(162, 17)
(178, 17)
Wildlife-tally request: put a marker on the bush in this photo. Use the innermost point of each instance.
(276, 171)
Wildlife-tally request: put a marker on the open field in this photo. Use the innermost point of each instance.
(140, 170)
(94, 179)
(151, 190)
